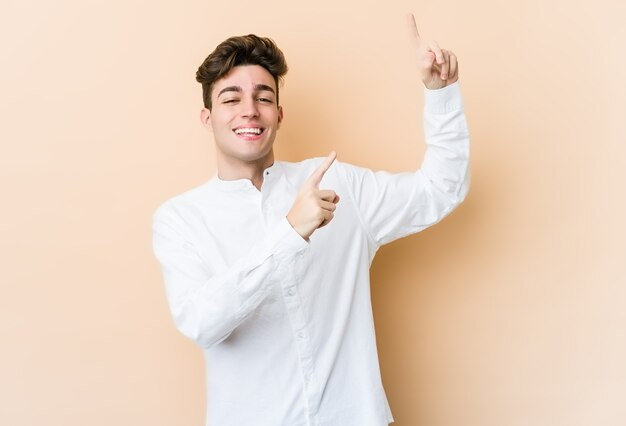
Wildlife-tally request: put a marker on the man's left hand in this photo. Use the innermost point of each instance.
(438, 67)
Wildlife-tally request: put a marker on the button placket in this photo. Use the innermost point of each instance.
(303, 345)
(267, 188)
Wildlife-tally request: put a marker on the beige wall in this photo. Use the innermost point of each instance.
(511, 312)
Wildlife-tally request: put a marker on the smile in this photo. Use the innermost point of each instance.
(253, 131)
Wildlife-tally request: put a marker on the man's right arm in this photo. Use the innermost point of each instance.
(207, 306)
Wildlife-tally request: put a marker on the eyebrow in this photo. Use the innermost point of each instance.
(257, 87)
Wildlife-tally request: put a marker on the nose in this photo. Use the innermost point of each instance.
(249, 108)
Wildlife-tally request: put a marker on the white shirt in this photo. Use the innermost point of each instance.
(286, 325)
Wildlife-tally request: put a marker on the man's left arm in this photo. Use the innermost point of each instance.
(395, 205)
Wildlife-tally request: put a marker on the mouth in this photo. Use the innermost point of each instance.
(249, 132)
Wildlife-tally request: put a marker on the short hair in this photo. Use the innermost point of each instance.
(240, 50)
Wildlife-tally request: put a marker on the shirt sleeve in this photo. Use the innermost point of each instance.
(392, 206)
(207, 307)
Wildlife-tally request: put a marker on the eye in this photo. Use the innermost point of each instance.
(265, 100)
(230, 101)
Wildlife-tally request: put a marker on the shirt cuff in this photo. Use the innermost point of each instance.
(444, 100)
(288, 240)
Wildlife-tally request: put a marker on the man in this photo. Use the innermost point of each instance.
(268, 271)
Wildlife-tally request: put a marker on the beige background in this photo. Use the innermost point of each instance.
(510, 312)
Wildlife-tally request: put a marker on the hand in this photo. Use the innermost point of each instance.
(438, 67)
(313, 208)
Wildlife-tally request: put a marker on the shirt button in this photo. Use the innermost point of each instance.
(290, 293)
(300, 335)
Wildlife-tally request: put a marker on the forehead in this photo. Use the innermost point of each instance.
(247, 77)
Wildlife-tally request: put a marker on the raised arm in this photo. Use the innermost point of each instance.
(395, 205)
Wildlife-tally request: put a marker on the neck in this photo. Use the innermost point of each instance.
(229, 169)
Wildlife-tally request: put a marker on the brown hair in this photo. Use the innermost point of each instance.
(240, 50)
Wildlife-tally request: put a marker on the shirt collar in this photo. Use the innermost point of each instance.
(275, 171)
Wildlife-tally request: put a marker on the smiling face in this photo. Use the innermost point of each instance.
(244, 119)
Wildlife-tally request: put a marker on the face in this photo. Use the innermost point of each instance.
(244, 117)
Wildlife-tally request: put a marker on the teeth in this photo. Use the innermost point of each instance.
(254, 130)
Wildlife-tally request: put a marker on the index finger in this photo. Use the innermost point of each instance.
(318, 174)
(412, 26)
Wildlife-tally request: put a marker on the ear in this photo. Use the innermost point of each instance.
(205, 118)
(280, 115)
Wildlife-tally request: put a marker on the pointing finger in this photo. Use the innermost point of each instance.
(318, 174)
(412, 27)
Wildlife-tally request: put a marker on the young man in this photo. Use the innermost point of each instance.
(268, 271)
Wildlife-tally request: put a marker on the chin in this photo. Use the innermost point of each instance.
(253, 157)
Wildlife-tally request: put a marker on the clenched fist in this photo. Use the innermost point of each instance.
(313, 207)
